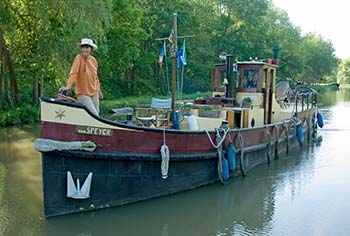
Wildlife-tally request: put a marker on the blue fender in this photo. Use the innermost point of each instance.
(175, 119)
(320, 120)
(300, 135)
(225, 173)
(231, 157)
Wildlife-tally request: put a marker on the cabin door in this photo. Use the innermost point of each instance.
(268, 95)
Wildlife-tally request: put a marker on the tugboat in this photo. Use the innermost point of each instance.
(89, 162)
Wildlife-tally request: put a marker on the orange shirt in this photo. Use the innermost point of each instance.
(84, 74)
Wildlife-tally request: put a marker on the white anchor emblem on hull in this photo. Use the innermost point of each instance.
(75, 191)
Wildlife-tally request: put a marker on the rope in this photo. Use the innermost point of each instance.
(241, 148)
(297, 121)
(163, 136)
(275, 128)
(217, 133)
(164, 151)
(219, 150)
(229, 136)
(286, 132)
(268, 145)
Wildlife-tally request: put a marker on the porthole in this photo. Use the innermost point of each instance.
(252, 122)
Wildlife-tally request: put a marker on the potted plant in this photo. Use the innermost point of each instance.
(209, 111)
(247, 102)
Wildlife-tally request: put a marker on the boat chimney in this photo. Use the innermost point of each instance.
(275, 50)
(231, 74)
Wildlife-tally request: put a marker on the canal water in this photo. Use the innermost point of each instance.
(304, 193)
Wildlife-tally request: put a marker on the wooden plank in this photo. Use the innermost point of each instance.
(245, 118)
(230, 119)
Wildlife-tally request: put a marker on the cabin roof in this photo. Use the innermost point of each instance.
(252, 62)
(249, 63)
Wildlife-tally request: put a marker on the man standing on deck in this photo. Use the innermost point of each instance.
(84, 74)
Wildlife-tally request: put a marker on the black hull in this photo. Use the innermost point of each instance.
(123, 178)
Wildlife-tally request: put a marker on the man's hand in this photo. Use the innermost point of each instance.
(100, 94)
(63, 89)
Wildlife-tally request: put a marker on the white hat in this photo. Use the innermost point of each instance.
(86, 41)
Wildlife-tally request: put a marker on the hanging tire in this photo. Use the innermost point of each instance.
(241, 159)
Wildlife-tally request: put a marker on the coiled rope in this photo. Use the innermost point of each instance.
(164, 151)
(241, 149)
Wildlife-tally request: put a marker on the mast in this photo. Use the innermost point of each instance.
(173, 50)
(173, 55)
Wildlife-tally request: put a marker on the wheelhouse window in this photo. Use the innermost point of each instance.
(250, 78)
(219, 75)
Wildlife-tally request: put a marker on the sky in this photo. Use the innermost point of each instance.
(329, 18)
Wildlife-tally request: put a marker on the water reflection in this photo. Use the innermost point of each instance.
(20, 182)
(304, 193)
(4, 209)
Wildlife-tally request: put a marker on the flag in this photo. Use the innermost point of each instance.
(181, 56)
(161, 55)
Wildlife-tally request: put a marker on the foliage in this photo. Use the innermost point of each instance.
(319, 59)
(344, 72)
(208, 108)
(38, 41)
(26, 114)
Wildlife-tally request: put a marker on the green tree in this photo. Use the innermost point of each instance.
(319, 59)
(282, 32)
(343, 74)
(38, 41)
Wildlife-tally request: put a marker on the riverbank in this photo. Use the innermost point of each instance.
(26, 114)
(321, 88)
